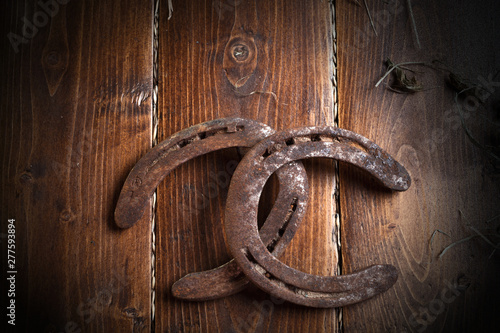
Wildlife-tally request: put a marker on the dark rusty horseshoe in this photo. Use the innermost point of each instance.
(179, 148)
(276, 232)
(254, 257)
(196, 141)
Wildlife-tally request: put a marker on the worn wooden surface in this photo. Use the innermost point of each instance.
(75, 116)
(287, 83)
(459, 292)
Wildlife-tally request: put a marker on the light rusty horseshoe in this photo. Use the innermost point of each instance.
(255, 258)
(196, 141)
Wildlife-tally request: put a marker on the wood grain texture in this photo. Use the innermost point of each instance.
(282, 78)
(75, 117)
(459, 292)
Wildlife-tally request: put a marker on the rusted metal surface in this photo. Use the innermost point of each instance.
(176, 150)
(198, 140)
(276, 232)
(255, 258)
(255, 251)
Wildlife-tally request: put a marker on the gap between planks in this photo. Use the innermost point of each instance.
(337, 218)
(155, 125)
(154, 140)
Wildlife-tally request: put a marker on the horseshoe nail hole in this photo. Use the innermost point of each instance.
(204, 135)
(290, 142)
(273, 149)
(235, 128)
(183, 143)
(289, 215)
(315, 138)
(278, 146)
(225, 130)
(326, 138)
(252, 260)
(302, 139)
(353, 144)
(240, 52)
(273, 243)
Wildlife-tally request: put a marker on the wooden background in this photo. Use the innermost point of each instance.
(448, 173)
(77, 111)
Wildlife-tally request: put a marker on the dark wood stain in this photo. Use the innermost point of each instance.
(448, 172)
(76, 115)
(67, 154)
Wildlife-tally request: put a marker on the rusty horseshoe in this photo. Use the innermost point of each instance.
(277, 231)
(254, 257)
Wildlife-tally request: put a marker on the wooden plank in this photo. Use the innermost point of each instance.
(76, 116)
(457, 293)
(289, 84)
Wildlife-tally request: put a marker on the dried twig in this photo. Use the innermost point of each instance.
(392, 67)
(370, 17)
(455, 243)
(478, 234)
(462, 86)
(257, 92)
(410, 10)
(402, 83)
(253, 92)
(493, 219)
(472, 139)
(170, 9)
(458, 84)
(432, 239)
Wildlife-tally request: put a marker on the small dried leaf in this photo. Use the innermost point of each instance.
(457, 83)
(402, 83)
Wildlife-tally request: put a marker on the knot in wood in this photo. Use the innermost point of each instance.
(240, 60)
(25, 178)
(66, 216)
(52, 58)
(240, 52)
